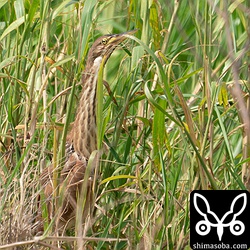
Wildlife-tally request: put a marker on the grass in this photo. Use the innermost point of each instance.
(181, 121)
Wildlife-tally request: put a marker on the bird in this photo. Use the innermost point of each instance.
(81, 140)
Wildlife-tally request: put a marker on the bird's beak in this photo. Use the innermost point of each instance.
(114, 41)
(118, 38)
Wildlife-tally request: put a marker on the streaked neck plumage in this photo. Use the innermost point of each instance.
(84, 128)
(83, 134)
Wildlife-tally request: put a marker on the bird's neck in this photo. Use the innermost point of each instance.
(83, 134)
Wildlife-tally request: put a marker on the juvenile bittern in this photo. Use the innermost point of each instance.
(82, 139)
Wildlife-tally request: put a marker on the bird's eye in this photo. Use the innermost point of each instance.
(105, 41)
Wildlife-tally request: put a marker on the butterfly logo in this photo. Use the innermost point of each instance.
(210, 219)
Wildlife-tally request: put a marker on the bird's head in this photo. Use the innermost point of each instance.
(103, 47)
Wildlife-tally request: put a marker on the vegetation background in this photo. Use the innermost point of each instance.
(181, 121)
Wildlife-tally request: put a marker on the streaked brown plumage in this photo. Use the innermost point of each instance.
(82, 139)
